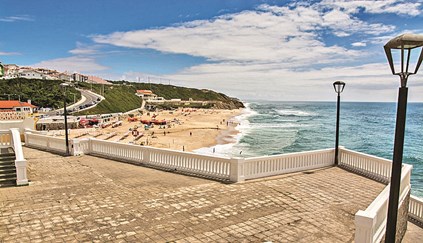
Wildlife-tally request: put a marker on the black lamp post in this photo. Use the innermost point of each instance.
(339, 87)
(64, 86)
(406, 44)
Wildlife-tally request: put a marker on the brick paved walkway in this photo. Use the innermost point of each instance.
(93, 199)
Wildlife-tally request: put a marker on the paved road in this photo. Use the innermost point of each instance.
(88, 98)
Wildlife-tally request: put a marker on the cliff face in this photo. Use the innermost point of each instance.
(228, 103)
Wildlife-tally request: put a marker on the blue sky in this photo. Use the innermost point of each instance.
(274, 50)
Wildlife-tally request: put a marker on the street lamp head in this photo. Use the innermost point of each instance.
(338, 86)
(406, 43)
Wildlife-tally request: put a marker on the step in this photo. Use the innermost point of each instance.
(7, 169)
(9, 178)
(7, 183)
(6, 165)
(7, 162)
(6, 158)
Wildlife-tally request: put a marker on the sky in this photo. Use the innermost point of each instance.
(249, 49)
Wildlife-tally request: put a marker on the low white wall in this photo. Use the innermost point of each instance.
(221, 168)
(27, 123)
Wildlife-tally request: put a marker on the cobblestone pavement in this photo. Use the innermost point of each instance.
(99, 200)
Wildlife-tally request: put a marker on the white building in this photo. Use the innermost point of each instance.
(29, 73)
(11, 71)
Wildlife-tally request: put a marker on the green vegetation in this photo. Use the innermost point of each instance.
(120, 97)
(42, 93)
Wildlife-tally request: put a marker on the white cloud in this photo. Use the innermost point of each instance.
(370, 82)
(277, 53)
(16, 18)
(359, 44)
(72, 64)
(4, 53)
(271, 34)
(83, 49)
(372, 6)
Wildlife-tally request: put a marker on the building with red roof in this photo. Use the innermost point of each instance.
(16, 105)
(146, 94)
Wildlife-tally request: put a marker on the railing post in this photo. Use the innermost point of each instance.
(340, 151)
(21, 178)
(364, 227)
(236, 173)
(26, 132)
(146, 158)
(75, 147)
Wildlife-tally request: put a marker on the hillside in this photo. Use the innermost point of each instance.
(121, 96)
(42, 93)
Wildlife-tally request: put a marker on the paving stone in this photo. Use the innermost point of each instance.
(89, 199)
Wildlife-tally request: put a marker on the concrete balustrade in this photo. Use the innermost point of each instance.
(416, 210)
(287, 163)
(370, 223)
(370, 166)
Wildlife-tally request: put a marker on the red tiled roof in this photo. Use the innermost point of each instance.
(144, 91)
(10, 104)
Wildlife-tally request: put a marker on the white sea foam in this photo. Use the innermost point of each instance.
(288, 112)
(243, 128)
(277, 125)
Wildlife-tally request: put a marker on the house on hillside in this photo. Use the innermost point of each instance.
(18, 106)
(30, 73)
(146, 94)
(79, 77)
(11, 71)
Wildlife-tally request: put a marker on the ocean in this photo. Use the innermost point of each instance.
(269, 128)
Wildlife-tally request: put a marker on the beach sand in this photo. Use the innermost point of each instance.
(188, 129)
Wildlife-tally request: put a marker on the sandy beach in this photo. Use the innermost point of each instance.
(186, 129)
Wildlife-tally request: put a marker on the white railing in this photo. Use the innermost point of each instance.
(45, 142)
(20, 161)
(5, 138)
(415, 210)
(370, 224)
(203, 165)
(235, 169)
(216, 167)
(287, 163)
(370, 166)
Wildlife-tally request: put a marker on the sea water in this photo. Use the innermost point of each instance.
(270, 128)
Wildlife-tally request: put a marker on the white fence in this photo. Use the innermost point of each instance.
(371, 166)
(371, 223)
(45, 142)
(287, 163)
(415, 210)
(232, 169)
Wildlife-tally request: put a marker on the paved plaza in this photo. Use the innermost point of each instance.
(92, 199)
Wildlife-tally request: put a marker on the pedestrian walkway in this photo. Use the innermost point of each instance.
(94, 199)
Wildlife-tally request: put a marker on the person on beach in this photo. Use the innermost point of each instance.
(190, 133)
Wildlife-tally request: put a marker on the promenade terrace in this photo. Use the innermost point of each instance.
(88, 198)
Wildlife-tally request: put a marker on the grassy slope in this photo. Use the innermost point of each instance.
(119, 98)
(122, 98)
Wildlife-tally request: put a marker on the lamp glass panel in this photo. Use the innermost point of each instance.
(414, 57)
